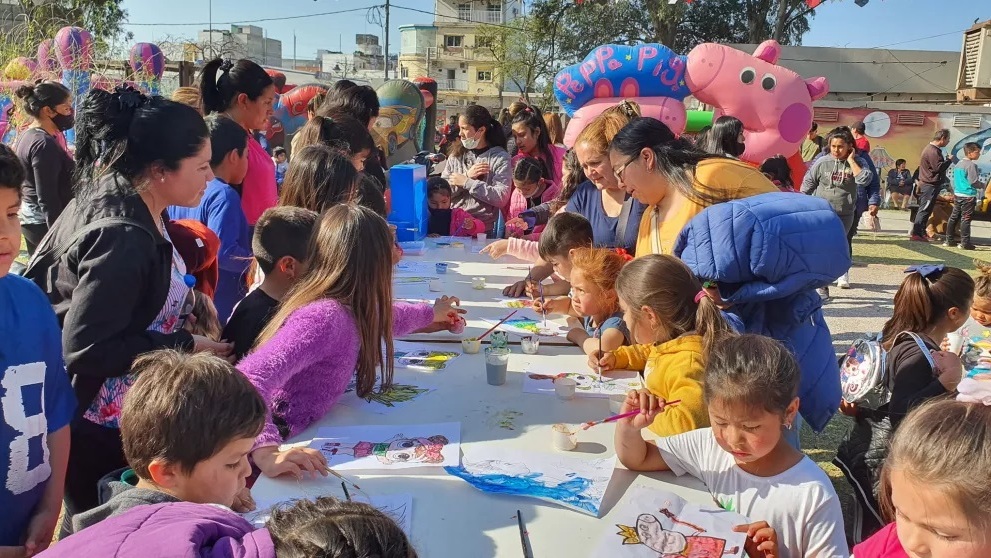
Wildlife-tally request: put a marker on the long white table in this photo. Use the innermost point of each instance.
(452, 519)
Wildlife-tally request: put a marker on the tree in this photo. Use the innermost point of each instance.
(42, 20)
(523, 52)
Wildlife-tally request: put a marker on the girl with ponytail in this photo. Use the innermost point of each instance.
(245, 93)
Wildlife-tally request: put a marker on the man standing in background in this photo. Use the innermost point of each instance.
(932, 171)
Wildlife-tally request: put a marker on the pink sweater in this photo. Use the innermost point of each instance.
(258, 191)
(307, 366)
(883, 544)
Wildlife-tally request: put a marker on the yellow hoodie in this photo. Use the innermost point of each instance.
(672, 371)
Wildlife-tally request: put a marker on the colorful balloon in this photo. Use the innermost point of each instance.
(46, 56)
(147, 61)
(100, 81)
(20, 68)
(74, 48)
(289, 112)
(280, 80)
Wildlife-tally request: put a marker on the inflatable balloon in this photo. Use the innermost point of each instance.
(426, 132)
(280, 80)
(396, 127)
(100, 81)
(650, 74)
(289, 111)
(46, 56)
(148, 63)
(20, 68)
(74, 50)
(773, 102)
(6, 111)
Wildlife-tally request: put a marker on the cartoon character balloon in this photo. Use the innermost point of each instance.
(280, 80)
(46, 58)
(650, 74)
(148, 63)
(426, 132)
(396, 128)
(7, 130)
(74, 50)
(289, 112)
(773, 102)
(20, 68)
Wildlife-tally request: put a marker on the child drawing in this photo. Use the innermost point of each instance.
(590, 382)
(398, 449)
(673, 544)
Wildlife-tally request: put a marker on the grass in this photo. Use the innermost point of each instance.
(886, 249)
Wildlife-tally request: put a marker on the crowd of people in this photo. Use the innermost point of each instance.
(170, 331)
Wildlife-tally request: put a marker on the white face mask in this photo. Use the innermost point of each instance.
(470, 143)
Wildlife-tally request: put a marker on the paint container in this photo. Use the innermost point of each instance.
(565, 388)
(955, 342)
(481, 237)
(496, 364)
(478, 283)
(530, 345)
(459, 327)
(616, 403)
(471, 346)
(436, 285)
(563, 438)
(441, 268)
(499, 339)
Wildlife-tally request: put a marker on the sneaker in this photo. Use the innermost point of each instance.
(950, 244)
(918, 238)
(843, 282)
(823, 293)
(968, 247)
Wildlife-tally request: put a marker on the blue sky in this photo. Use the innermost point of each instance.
(837, 23)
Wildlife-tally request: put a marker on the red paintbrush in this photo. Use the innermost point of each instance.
(590, 424)
(502, 321)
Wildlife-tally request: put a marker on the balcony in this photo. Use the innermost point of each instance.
(459, 54)
(452, 85)
(473, 17)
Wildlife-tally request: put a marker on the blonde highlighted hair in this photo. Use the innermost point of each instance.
(982, 285)
(350, 261)
(555, 130)
(189, 96)
(601, 267)
(598, 134)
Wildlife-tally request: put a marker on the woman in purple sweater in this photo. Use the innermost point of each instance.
(338, 322)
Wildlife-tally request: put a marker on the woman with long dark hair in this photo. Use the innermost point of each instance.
(109, 268)
(725, 137)
(245, 93)
(534, 140)
(478, 167)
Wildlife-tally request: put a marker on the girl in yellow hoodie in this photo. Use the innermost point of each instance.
(674, 323)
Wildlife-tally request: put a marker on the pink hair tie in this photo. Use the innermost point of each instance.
(702, 294)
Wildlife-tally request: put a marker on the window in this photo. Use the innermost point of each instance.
(464, 12)
(484, 75)
(453, 41)
(484, 42)
(404, 72)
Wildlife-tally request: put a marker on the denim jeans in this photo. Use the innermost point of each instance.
(963, 212)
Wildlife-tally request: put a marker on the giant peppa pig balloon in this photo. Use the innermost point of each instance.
(74, 50)
(148, 63)
(650, 74)
(46, 58)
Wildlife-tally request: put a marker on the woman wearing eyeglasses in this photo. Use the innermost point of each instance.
(48, 184)
(675, 180)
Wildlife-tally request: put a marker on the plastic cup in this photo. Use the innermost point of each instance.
(530, 345)
(956, 342)
(471, 346)
(563, 437)
(478, 283)
(441, 268)
(482, 237)
(565, 388)
(496, 364)
(499, 339)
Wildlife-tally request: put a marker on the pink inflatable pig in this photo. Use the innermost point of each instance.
(774, 103)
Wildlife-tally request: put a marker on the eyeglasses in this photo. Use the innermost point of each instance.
(622, 169)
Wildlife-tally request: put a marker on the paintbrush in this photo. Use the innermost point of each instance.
(347, 494)
(527, 552)
(592, 423)
(502, 321)
(340, 476)
(598, 367)
(543, 306)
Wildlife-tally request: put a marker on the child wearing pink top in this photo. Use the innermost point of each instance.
(258, 191)
(531, 186)
(445, 220)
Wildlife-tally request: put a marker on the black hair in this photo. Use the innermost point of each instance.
(341, 85)
(572, 176)
(279, 150)
(478, 116)
(226, 135)
(33, 98)
(315, 103)
(815, 126)
(243, 76)
(859, 127)
(941, 134)
(437, 184)
(343, 133)
(529, 170)
(841, 133)
(676, 158)
(11, 170)
(318, 178)
(369, 194)
(564, 231)
(359, 102)
(126, 132)
(900, 162)
(533, 119)
(282, 231)
(723, 138)
(334, 528)
(702, 137)
(751, 370)
(971, 147)
(778, 169)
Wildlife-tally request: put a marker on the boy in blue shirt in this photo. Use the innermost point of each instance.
(220, 210)
(966, 183)
(36, 399)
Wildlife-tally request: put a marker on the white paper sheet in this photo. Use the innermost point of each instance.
(588, 384)
(397, 506)
(387, 447)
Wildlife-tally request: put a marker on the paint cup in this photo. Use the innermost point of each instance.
(471, 345)
(565, 388)
(616, 403)
(530, 345)
(499, 340)
(478, 283)
(441, 268)
(563, 438)
(481, 238)
(436, 285)
(956, 342)
(496, 363)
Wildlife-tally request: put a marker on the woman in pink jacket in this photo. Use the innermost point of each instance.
(533, 140)
(245, 93)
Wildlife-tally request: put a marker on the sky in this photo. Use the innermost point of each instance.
(895, 24)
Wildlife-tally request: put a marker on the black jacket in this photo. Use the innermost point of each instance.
(109, 285)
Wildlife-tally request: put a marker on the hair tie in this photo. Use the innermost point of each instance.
(226, 65)
(628, 109)
(926, 270)
(701, 294)
(627, 257)
(129, 98)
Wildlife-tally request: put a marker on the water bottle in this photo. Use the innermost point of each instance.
(500, 226)
(187, 305)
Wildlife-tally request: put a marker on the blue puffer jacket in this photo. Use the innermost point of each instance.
(768, 254)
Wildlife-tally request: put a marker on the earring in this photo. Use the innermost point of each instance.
(163, 179)
(788, 425)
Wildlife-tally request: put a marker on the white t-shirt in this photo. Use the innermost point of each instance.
(800, 503)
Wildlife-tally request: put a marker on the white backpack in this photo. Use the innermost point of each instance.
(863, 374)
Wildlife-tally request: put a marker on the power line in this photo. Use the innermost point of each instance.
(189, 24)
(459, 18)
(921, 39)
(939, 62)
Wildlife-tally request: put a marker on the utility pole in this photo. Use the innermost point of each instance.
(294, 58)
(211, 29)
(386, 57)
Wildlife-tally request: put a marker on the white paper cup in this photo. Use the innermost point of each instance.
(565, 388)
(478, 283)
(481, 237)
(563, 438)
(616, 403)
(956, 342)
(436, 286)
(471, 346)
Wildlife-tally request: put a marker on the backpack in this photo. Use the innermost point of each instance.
(863, 374)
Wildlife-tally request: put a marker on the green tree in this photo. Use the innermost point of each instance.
(42, 20)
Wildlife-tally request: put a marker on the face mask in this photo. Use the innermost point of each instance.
(64, 121)
(442, 213)
(470, 143)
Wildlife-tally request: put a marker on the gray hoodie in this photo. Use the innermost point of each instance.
(482, 199)
(833, 180)
(117, 495)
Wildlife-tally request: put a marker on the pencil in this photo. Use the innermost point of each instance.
(347, 494)
(340, 476)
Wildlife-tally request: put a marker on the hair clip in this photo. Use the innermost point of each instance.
(227, 65)
(129, 98)
(926, 270)
(627, 257)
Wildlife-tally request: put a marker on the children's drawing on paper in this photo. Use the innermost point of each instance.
(414, 268)
(411, 280)
(518, 303)
(658, 524)
(383, 401)
(390, 447)
(578, 484)
(424, 359)
(588, 384)
(397, 506)
(531, 326)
